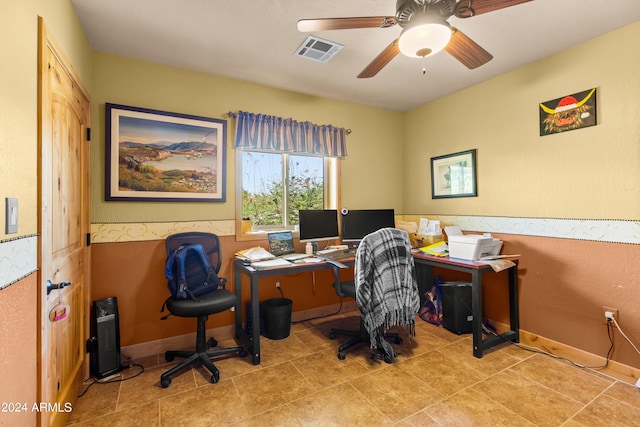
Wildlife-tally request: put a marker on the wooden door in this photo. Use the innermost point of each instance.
(64, 226)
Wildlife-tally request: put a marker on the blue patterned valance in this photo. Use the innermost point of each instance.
(275, 134)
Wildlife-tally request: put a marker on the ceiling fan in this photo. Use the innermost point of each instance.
(425, 30)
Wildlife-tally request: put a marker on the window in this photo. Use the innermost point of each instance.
(274, 186)
(283, 165)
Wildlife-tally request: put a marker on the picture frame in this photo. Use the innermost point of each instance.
(570, 112)
(454, 175)
(159, 156)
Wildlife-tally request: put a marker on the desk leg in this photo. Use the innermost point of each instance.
(336, 276)
(476, 312)
(513, 303)
(424, 277)
(255, 320)
(237, 284)
(252, 342)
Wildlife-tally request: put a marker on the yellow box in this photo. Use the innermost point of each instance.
(420, 240)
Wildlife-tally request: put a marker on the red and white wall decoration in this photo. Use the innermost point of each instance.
(568, 113)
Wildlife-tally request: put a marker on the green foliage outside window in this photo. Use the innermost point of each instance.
(305, 190)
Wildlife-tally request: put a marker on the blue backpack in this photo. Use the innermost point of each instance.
(189, 273)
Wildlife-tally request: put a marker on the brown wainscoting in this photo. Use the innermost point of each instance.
(134, 273)
(18, 339)
(563, 284)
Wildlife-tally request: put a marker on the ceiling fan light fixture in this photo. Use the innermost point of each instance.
(425, 38)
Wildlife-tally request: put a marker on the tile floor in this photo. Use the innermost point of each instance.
(434, 381)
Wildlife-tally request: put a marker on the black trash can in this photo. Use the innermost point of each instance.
(276, 314)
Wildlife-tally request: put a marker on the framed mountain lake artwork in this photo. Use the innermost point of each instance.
(160, 156)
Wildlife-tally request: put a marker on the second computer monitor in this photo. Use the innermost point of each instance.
(358, 223)
(318, 224)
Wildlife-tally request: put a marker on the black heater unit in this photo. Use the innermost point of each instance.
(104, 344)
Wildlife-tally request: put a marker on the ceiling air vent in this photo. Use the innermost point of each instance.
(318, 49)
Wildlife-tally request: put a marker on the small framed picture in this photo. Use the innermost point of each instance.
(163, 157)
(575, 111)
(454, 175)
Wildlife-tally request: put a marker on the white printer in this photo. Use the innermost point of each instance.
(472, 246)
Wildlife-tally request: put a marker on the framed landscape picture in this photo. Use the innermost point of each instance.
(160, 156)
(454, 175)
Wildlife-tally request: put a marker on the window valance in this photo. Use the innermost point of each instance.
(276, 134)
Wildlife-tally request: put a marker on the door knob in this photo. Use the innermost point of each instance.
(52, 286)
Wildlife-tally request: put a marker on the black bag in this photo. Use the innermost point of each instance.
(189, 273)
(431, 310)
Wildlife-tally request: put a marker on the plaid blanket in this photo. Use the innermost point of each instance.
(386, 287)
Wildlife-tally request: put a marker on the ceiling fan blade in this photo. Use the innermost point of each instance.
(469, 8)
(380, 61)
(465, 50)
(309, 25)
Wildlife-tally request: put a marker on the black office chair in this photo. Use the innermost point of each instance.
(392, 248)
(211, 303)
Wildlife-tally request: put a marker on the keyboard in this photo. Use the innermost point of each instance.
(328, 251)
(295, 257)
(334, 254)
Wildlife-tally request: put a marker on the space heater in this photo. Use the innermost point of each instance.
(104, 344)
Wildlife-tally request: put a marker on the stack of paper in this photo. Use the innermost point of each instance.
(272, 263)
(500, 264)
(255, 254)
(437, 249)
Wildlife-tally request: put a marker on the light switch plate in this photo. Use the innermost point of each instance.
(11, 217)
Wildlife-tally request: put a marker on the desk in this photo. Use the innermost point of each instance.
(426, 262)
(476, 269)
(252, 343)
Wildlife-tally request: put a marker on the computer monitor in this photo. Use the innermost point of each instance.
(358, 223)
(317, 225)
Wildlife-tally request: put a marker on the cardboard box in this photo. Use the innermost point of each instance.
(420, 240)
(473, 246)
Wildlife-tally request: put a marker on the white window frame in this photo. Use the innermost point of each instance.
(331, 171)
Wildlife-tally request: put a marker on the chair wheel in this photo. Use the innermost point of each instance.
(398, 340)
(168, 358)
(332, 335)
(342, 355)
(164, 382)
(211, 342)
(215, 378)
(243, 353)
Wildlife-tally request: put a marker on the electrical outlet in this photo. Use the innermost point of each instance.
(278, 286)
(611, 310)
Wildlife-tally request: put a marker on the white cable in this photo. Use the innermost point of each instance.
(590, 368)
(615, 322)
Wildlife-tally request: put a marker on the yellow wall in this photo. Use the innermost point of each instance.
(586, 173)
(569, 269)
(19, 91)
(373, 146)
(19, 178)
(591, 173)
(574, 175)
